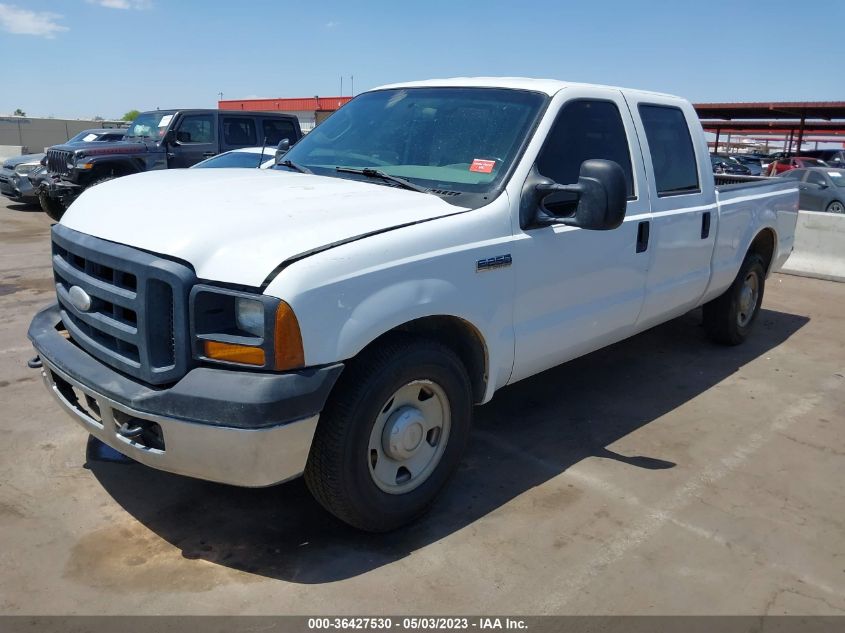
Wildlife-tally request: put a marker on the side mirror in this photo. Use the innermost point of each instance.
(601, 197)
(282, 149)
(169, 137)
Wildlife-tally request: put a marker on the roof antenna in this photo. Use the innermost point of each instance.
(261, 155)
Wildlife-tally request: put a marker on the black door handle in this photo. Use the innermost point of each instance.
(209, 154)
(705, 225)
(642, 236)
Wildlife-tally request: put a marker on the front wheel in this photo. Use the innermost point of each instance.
(729, 317)
(52, 207)
(391, 435)
(836, 207)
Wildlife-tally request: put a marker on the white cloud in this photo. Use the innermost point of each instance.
(331, 24)
(25, 22)
(123, 4)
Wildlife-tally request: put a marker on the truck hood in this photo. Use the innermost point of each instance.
(238, 225)
(11, 163)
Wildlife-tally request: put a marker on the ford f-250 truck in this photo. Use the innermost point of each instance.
(428, 244)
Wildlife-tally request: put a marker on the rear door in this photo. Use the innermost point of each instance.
(578, 290)
(196, 140)
(683, 205)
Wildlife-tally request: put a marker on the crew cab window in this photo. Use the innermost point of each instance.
(274, 130)
(196, 128)
(672, 152)
(815, 178)
(239, 131)
(585, 129)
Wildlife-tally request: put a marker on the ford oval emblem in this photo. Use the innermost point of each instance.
(80, 299)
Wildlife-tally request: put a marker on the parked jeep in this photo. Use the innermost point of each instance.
(161, 139)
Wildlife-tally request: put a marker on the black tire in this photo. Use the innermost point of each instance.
(338, 471)
(723, 316)
(52, 207)
(100, 181)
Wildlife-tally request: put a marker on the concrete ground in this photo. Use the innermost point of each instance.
(664, 475)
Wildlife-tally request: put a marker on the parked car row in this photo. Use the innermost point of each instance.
(20, 176)
(160, 139)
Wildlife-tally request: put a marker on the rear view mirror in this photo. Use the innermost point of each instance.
(601, 194)
(282, 149)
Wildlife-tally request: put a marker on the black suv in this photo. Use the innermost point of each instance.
(161, 139)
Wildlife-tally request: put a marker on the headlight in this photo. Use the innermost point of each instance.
(241, 328)
(26, 168)
(249, 315)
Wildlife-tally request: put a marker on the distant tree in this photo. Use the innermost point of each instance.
(18, 112)
(131, 115)
(99, 118)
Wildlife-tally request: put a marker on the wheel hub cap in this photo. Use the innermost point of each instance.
(409, 437)
(747, 300)
(403, 433)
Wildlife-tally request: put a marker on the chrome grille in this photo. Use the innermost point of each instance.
(57, 161)
(137, 318)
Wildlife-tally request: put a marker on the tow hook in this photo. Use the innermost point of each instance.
(34, 362)
(128, 432)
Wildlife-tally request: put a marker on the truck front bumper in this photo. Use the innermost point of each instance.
(235, 427)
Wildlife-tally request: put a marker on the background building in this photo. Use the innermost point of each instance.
(309, 110)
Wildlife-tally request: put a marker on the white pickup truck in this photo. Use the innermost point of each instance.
(427, 245)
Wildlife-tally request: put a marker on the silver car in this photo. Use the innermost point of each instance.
(820, 188)
(14, 183)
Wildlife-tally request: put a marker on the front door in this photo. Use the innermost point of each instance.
(196, 140)
(578, 290)
(814, 191)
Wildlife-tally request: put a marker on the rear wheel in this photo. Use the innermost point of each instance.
(393, 432)
(52, 207)
(728, 318)
(836, 207)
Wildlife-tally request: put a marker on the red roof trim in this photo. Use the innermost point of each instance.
(299, 104)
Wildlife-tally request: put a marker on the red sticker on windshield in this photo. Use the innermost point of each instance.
(482, 166)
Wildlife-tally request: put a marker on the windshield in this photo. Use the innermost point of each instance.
(457, 139)
(237, 159)
(150, 125)
(837, 176)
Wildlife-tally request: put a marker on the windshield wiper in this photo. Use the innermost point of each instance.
(376, 173)
(295, 166)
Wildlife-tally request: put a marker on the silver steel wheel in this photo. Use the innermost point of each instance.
(409, 437)
(748, 299)
(836, 207)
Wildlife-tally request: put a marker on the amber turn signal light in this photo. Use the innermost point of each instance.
(235, 353)
(288, 339)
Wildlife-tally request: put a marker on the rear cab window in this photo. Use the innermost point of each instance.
(671, 150)
(678, 161)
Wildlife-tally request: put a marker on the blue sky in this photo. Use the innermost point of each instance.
(80, 58)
